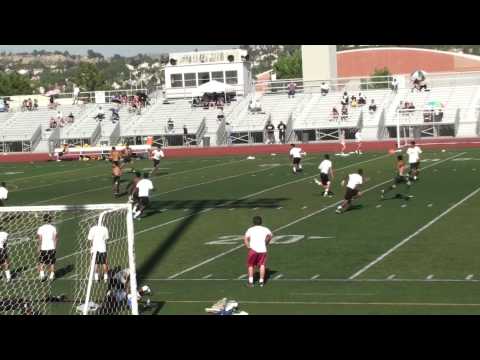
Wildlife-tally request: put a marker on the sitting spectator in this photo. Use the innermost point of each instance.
(196, 102)
(438, 115)
(35, 104)
(353, 97)
(255, 107)
(24, 105)
(170, 125)
(53, 123)
(344, 113)
(292, 87)
(395, 84)
(419, 85)
(362, 99)
(219, 103)
(100, 114)
(52, 104)
(335, 114)
(345, 99)
(220, 116)
(353, 103)
(6, 104)
(29, 104)
(324, 89)
(71, 118)
(373, 107)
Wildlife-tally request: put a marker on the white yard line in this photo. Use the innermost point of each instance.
(408, 238)
(299, 219)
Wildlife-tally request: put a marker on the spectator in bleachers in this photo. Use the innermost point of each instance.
(395, 84)
(6, 105)
(185, 135)
(335, 114)
(220, 116)
(353, 102)
(76, 94)
(170, 126)
(345, 99)
(228, 133)
(270, 130)
(292, 88)
(52, 104)
(71, 118)
(24, 105)
(29, 104)
(324, 89)
(362, 99)
(100, 114)
(196, 101)
(282, 129)
(35, 104)
(115, 115)
(373, 107)
(344, 113)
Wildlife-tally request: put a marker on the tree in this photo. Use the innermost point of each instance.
(380, 79)
(88, 77)
(289, 66)
(14, 84)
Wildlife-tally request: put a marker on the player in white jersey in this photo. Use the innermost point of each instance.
(296, 156)
(326, 175)
(358, 139)
(3, 193)
(256, 240)
(98, 235)
(144, 187)
(48, 238)
(352, 182)
(156, 155)
(4, 253)
(413, 153)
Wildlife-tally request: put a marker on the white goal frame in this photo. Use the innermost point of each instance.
(107, 208)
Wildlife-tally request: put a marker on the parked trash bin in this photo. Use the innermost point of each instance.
(206, 141)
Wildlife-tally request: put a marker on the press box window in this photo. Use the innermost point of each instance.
(203, 78)
(232, 77)
(190, 79)
(176, 80)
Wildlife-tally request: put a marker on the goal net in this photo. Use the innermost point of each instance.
(91, 271)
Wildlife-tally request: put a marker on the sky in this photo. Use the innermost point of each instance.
(110, 50)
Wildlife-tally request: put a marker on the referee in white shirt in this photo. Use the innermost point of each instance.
(48, 238)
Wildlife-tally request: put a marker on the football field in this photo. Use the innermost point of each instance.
(391, 256)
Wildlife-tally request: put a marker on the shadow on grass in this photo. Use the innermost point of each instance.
(195, 207)
(64, 271)
(199, 205)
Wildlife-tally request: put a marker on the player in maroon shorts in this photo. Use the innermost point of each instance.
(256, 240)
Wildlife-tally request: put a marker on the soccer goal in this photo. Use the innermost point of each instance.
(67, 260)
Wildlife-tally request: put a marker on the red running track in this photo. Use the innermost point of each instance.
(269, 149)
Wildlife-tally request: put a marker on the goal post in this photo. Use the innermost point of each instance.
(74, 289)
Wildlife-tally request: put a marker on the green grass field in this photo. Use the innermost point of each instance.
(383, 257)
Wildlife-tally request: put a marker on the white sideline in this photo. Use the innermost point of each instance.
(243, 198)
(298, 220)
(408, 238)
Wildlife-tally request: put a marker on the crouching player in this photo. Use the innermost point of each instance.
(353, 182)
(256, 240)
(118, 295)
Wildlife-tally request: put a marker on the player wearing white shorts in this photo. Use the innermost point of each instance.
(3, 193)
(4, 253)
(413, 153)
(353, 182)
(156, 155)
(98, 235)
(48, 238)
(296, 156)
(326, 175)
